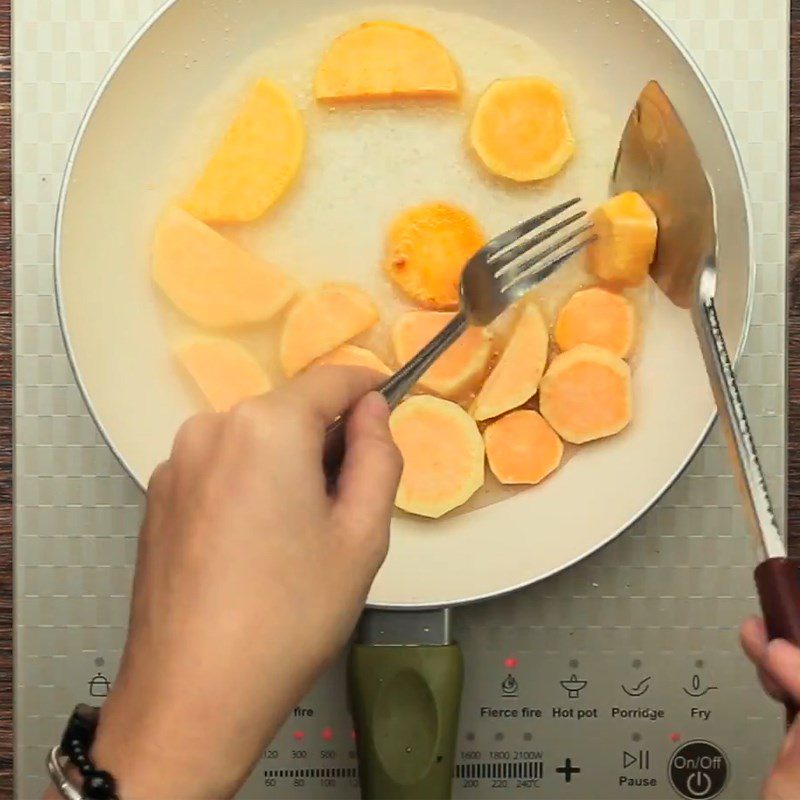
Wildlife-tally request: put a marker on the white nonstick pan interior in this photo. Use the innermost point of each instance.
(168, 98)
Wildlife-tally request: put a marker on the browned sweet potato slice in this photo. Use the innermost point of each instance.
(586, 394)
(427, 249)
(522, 448)
(443, 455)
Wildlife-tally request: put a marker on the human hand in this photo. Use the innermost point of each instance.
(250, 576)
(778, 665)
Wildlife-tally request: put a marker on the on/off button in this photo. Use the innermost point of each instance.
(699, 784)
(698, 770)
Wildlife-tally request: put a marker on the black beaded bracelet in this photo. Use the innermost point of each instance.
(76, 743)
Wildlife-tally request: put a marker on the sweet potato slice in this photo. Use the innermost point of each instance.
(627, 235)
(522, 448)
(459, 369)
(586, 394)
(427, 248)
(443, 456)
(256, 161)
(348, 355)
(597, 316)
(212, 280)
(520, 129)
(515, 378)
(223, 370)
(384, 60)
(322, 320)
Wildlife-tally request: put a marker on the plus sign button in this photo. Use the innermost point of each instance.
(698, 770)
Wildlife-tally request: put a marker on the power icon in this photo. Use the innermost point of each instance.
(698, 784)
(698, 770)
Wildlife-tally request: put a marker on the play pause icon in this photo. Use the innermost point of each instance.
(638, 760)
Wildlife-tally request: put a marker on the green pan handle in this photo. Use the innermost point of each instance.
(406, 701)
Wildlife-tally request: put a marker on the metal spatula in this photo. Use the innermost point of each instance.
(657, 158)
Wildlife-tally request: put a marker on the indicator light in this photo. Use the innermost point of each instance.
(674, 737)
(511, 663)
(299, 736)
(327, 734)
(353, 735)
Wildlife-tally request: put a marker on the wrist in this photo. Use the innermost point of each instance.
(154, 755)
(72, 774)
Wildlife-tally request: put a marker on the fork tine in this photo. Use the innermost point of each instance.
(505, 258)
(541, 255)
(531, 273)
(510, 236)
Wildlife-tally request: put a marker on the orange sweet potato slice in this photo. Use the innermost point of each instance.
(443, 455)
(385, 60)
(586, 394)
(459, 369)
(256, 161)
(427, 248)
(597, 316)
(223, 370)
(212, 280)
(627, 235)
(515, 378)
(520, 129)
(322, 320)
(348, 355)
(522, 448)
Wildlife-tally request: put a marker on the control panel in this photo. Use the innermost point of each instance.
(542, 725)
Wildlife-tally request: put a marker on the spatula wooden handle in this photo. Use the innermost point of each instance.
(778, 584)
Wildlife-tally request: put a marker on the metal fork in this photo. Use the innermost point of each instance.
(498, 275)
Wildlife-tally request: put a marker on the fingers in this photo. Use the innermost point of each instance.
(770, 686)
(784, 780)
(195, 437)
(297, 414)
(783, 783)
(782, 664)
(753, 636)
(158, 485)
(327, 392)
(371, 471)
(778, 665)
(791, 744)
(771, 659)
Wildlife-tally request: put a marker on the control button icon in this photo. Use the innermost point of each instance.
(698, 770)
(568, 770)
(698, 784)
(698, 688)
(510, 687)
(638, 760)
(639, 689)
(574, 686)
(99, 686)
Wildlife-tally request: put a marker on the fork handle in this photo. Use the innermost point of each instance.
(394, 390)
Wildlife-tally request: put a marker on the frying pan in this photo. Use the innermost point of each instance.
(116, 328)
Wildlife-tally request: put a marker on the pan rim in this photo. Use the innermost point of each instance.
(86, 119)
